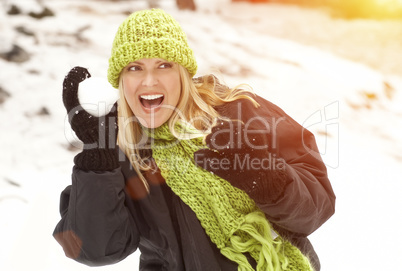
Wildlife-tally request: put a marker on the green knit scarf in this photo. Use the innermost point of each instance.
(229, 216)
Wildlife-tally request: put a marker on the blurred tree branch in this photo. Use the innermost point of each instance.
(186, 4)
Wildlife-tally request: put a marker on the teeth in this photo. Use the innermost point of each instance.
(151, 97)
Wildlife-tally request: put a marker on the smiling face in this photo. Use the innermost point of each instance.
(152, 89)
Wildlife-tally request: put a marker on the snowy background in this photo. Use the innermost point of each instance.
(340, 79)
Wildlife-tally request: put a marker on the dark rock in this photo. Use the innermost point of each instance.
(14, 10)
(46, 12)
(4, 95)
(25, 31)
(33, 71)
(13, 183)
(16, 54)
(43, 112)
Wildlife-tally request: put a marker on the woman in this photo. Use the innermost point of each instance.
(204, 177)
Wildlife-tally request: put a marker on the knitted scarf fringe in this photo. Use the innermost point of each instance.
(230, 218)
(261, 246)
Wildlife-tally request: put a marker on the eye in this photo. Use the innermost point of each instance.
(166, 65)
(135, 68)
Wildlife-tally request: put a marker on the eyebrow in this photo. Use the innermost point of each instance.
(157, 62)
(136, 62)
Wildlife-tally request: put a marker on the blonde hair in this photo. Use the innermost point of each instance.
(196, 107)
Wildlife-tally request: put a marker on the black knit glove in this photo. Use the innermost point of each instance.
(97, 133)
(242, 158)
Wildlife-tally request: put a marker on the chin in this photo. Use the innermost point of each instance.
(152, 124)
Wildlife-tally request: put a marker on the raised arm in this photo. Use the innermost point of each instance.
(96, 227)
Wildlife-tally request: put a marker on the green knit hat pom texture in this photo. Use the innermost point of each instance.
(149, 34)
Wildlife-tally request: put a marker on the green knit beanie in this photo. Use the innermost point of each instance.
(149, 34)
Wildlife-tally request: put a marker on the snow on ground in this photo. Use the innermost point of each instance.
(347, 91)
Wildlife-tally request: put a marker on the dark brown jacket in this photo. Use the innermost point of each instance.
(106, 215)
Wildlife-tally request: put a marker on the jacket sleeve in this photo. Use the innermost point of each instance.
(307, 199)
(96, 228)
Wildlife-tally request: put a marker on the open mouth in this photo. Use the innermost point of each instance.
(151, 101)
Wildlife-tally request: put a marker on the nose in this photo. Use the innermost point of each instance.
(150, 79)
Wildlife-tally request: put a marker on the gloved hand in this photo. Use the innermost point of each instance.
(241, 157)
(98, 134)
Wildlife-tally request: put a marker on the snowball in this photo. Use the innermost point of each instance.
(97, 96)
